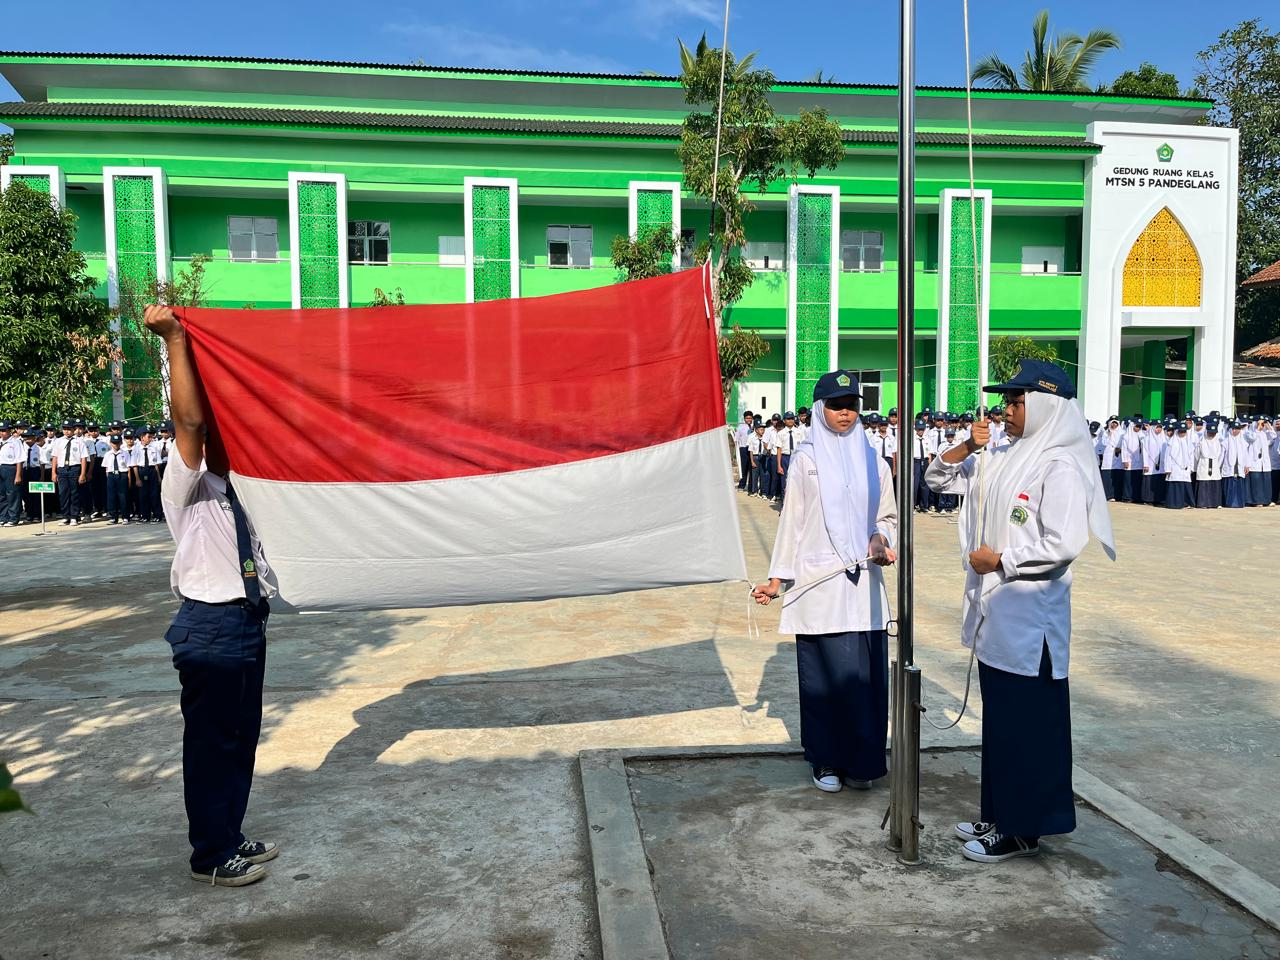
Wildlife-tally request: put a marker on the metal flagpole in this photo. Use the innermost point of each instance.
(904, 782)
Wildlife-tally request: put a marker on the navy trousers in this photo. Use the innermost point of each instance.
(782, 477)
(149, 493)
(220, 653)
(69, 492)
(10, 499)
(744, 467)
(844, 701)
(117, 495)
(1026, 751)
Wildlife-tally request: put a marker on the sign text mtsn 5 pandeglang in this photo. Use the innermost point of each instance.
(1162, 178)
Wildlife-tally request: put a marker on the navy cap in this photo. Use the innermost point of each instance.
(953, 417)
(837, 383)
(145, 430)
(21, 424)
(967, 418)
(788, 415)
(1211, 426)
(802, 410)
(50, 426)
(114, 438)
(68, 424)
(893, 411)
(91, 426)
(128, 434)
(5, 425)
(950, 432)
(1037, 376)
(920, 425)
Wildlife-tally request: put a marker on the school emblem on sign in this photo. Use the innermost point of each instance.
(842, 380)
(1164, 153)
(1019, 515)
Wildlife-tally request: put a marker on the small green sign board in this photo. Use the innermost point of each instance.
(42, 486)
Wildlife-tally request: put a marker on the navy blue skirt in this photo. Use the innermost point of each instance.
(844, 701)
(1235, 490)
(1259, 488)
(1026, 751)
(1208, 494)
(1107, 486)
(1178, 494)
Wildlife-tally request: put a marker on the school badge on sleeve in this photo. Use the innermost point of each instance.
(1019, 516)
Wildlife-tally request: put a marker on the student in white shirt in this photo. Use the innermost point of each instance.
(769, 489)
(219, 636)
(67, 459)
(1259, 453)
(13, 456)
(922, 453)
(1042, 498)
(1179, 459)
(116, 468)
(34, 470)
(741, 439)
(840, 514)
(1208, 468)
(787, 439)
(758, 461)
(1131, 457)
(131, 499)
(149, 478)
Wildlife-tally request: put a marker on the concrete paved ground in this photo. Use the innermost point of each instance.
(750, 861)
(419, 767)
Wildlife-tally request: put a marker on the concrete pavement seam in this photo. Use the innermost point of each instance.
(1235, 882)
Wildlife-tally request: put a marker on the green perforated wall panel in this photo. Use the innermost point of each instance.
(963, 308)
(813, 268)
(318, 254)
(654, 211)
(135, 222)
(38, 182)
(491, 242)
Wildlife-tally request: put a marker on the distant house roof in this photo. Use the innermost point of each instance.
(1266, 277)
(1265, 351)
(1242, 374)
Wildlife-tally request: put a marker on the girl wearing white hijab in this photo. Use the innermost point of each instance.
(838, 525)
(1041, 496)
(1179, 458)
(1209, 468)
(1235, 468)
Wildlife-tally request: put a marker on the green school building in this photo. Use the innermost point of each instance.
(1104, 224)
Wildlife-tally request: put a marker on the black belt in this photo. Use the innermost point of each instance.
(242, 602)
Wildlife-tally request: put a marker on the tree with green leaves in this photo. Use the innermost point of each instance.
(1054, 63)
(1147, 81)
(758, 148)
(1241, 74)
(56, 334)
(6, 147)
(1005, 353)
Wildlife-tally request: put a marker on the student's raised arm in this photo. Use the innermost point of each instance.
(184, 386)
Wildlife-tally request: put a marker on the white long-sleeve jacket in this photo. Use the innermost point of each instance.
(1030, 604)
(802, 553)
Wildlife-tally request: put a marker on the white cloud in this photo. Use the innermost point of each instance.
(454, 46)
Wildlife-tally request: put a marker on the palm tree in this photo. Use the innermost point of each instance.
(1059, 63)
(689, 57)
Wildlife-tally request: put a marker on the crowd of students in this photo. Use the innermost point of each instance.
(112, 475)
(1205, 462)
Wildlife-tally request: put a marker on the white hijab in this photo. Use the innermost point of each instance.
(1180, 450)
(848, 483)
(1054, 430)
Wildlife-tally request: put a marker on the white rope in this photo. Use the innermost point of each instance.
(715, 160)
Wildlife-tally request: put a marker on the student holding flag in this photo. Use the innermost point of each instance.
(218, 637)
(1027, 515)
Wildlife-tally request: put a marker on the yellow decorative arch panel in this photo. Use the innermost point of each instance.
(1163, 268)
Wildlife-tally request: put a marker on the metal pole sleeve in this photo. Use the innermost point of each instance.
(906, 332)
(910, 793)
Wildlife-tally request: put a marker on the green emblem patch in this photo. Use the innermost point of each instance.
(842, 380)
(1019, 515)
(249, 569)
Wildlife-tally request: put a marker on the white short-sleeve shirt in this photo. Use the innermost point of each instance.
(206, 561)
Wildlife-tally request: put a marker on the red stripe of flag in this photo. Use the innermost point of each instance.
(394, 394)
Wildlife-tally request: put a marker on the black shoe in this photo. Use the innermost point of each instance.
(973, 831)
(236, 872)
(997, 847)
(827, 779)
(258, 851)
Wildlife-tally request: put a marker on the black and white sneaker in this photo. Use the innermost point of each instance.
(827, 779)
(66, 521)
(973, 831)
(236, 872)
(258, 851)
(996, 848)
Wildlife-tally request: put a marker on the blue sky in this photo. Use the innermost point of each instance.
(853, 41)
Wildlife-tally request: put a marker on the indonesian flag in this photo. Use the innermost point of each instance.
(421, 456)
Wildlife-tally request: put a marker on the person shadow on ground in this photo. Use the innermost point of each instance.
(778, 695)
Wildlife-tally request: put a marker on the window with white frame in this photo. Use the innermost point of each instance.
(368, 241)
(1043, 260)
(869, 382)
(453, 251)
(861, 251)
(765, 255)
(253, 238)
(569, 245)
